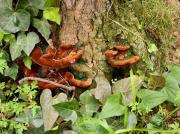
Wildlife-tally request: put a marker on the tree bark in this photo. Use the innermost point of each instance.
(82, 22)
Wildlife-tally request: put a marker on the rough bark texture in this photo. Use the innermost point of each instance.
(82, 22)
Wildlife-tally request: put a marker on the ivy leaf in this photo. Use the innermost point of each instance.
(3, 62)
(11, 71)
(112, 107)
(16, 47)
(52, 14)
(27, 62)
(5, 4)
(67, 110)
(152, 48)
(49, 3)
(25, 43)
(89, 104)
(43, 27)
(49, 114)
(150, 99)
(89, 125)
(9, 38)
(31, 40)
(39, 4)
(172, 88)
(14, 21)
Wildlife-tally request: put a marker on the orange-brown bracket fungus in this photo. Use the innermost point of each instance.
(70, 78)
(54, 59)
(116, 57)
(58, 59)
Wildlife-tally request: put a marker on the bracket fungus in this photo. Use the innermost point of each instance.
(58, 59)
(117, 58)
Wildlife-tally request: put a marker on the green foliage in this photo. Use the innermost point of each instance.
(67, 110)
(5, 4)
(18, 18)
(52, 14)
(11, 71)
(17, 41)
(89, 105)
(152, 48)
(88, 125)
(14, 21)
(27, 62)
(171, 88)
(42, 26)
(30, 41)
(10, 108)
(50, 3)
(112, 107)
(25, 43)
(150, 99)
(39, 4)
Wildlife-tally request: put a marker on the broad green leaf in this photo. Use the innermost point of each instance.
(150, 99)
(47, 102)
(25, 43)
(123, 86)
(32, 10)
(43, 27)
(50, 3)
(9, 38)
(14, 21)
(31, 40)
(88, 125)
(27, 62)
(11, 71)
(112, 107)
(67, 110)
(152, 48)
(16, 47)
(39, 4)
(172, 88)
(89, 104)
(52, 14)
(5, 4)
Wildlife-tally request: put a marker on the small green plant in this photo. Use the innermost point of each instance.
(18, 99)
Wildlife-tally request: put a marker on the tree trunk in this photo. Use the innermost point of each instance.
(93, 25)
(82, 22)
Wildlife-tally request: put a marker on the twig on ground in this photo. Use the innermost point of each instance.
(47, 81)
